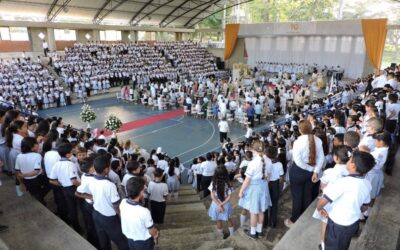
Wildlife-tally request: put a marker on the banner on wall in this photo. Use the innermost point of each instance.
(295, 28)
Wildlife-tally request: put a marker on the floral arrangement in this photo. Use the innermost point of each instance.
(113, 123)
(87, 114)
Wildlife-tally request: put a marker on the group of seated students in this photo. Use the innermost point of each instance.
(29, 85)
(95, 67)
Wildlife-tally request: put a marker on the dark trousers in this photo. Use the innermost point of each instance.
(158, 211)
(271, 215)
(37, 188)
(198, 180)
(301, 189)
(61, 204)
(222, 136)
(141, 244)
(205, 183)
(87, 212)
(109, 228)
(72, 202)
(338, 237)
(251, 120)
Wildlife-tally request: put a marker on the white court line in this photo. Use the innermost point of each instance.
(211, 150)
(208, 140)
(157, 130)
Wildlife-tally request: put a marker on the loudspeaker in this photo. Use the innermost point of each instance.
(393, 65)
(221, 65)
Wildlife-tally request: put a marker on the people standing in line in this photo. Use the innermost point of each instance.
(158, 192)
(105, 205)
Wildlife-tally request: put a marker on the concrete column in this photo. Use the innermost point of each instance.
(81, 36)
(125, 36)
(178, 36)
(134, 35)
(96, 35)
(36, 42)
(51, 40)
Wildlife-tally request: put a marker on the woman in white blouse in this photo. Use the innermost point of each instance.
(308, 158)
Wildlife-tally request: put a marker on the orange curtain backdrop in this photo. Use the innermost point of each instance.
(374, 31)
(231, 34)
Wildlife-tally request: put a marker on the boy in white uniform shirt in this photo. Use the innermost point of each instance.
(157, 191)
(65, 174)
(105, 203)
(367, 143)
(137, 224)
(349, 197)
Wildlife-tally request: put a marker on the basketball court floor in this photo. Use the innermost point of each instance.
(182, 136)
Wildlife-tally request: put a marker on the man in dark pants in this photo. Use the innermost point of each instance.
(250, 114)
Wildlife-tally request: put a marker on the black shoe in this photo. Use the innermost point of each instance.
(320, 247)
(251, 236)
(262, 234)
(3, 228)
(226, 235)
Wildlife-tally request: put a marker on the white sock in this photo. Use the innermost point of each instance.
(366, 213)
(259, 228)
(322, 245)
(219, 230)
(242, 220)
(252, 230)
(230, 230)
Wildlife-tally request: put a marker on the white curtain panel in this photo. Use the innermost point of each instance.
(346, 51)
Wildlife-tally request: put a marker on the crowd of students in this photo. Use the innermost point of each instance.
(29, 86)
(90, 174)
(342, 155)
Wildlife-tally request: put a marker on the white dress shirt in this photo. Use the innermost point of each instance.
(301, 154)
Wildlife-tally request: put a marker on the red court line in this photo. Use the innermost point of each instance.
(147, 121)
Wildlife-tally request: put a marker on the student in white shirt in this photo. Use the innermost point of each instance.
(158, 191)
(133, 170)
(207, 169)
(86, 205)
(65, 174)
(29, 170)
(274, 183)
(367, 143)
(254, 194)
(137, 223)
(308, 158)
(330, 176)
(376, 175)
(349, 197)
(106, 205)
(223, 130)
(392, 113)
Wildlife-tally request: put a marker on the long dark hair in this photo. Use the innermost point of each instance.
(9, 117)
(220, 182)
(52, 136)
(171, 169)
(13, 128)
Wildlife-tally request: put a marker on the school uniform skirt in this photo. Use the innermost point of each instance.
(173, 183)
(4, 151)
(375, 177)
(223, 216)
(256, 198)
